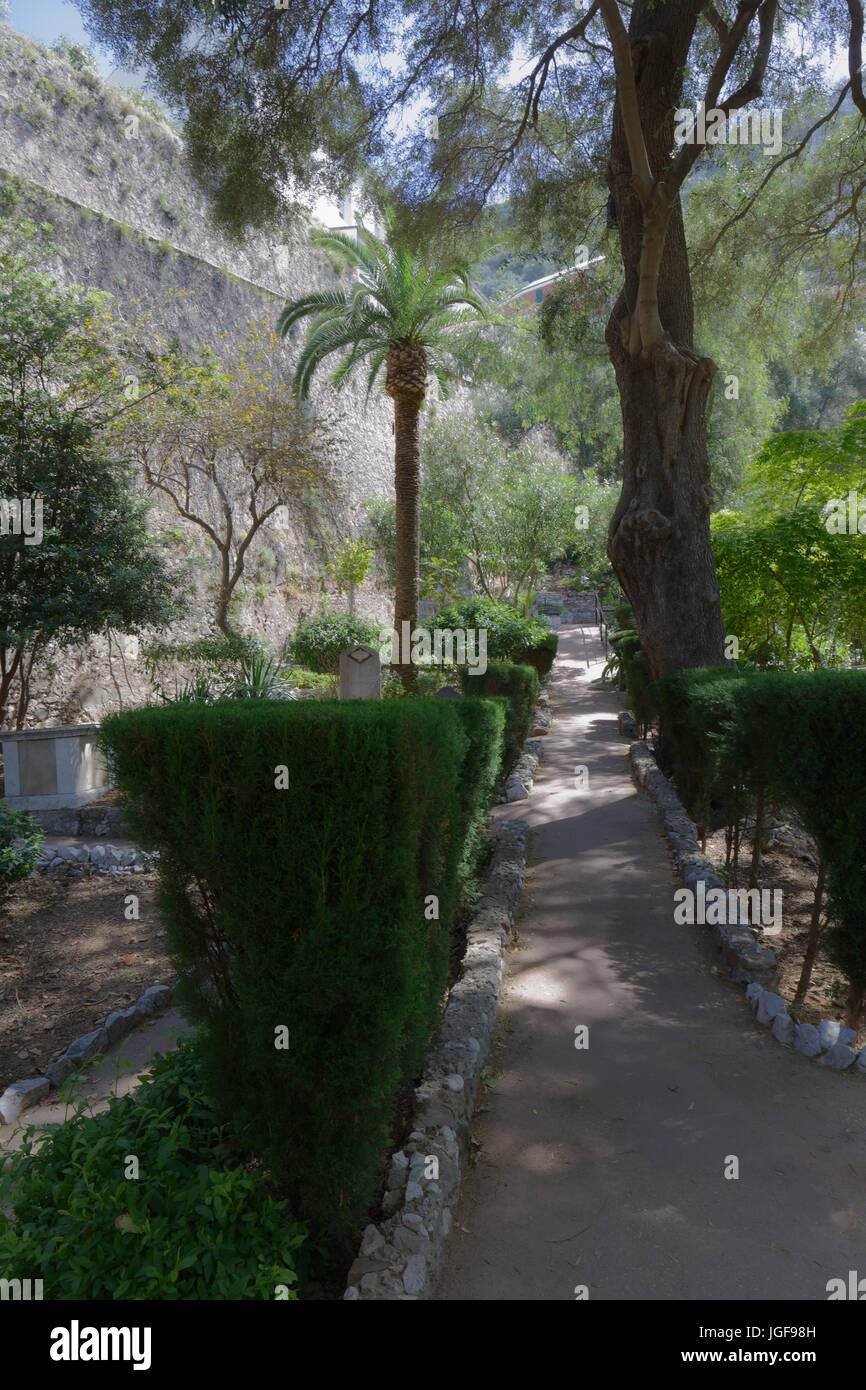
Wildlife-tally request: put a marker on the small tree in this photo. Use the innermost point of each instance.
(232, 446)
(89, 565)
(20, 838)
(350, 567)
(495, 516)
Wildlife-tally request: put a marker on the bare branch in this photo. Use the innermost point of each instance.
(628, 102)
(713, 17)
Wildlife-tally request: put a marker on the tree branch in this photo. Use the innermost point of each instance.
(688, 155)
(855, 54)
(628, 102)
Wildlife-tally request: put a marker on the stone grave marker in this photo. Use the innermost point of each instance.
(360, 674)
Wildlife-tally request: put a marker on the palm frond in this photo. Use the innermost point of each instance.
(319, 302)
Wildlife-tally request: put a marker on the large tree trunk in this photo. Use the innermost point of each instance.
(659, 537)
(407, 488)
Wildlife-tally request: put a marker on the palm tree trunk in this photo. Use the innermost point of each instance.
(407, 488)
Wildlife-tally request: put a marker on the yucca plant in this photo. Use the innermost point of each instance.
(405, 315)
(260, 679)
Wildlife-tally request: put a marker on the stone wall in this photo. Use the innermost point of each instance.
(113, 183)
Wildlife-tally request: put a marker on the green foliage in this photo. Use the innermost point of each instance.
(510, 638)
(727, 734)
(793, 591)
(350, 566)
(96, 565)
(78, 55)
(20, 839)
(319, 642)
(197, 1224)
(635, 675)
(260, 679)
(495, 516)
(305, 907)
(323, 685)
(520, 686)
(398, 299)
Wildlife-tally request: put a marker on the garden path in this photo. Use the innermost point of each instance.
(606, 1167)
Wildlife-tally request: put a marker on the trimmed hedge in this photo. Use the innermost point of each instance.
(519, 685)
(312, 901)
(729, 734)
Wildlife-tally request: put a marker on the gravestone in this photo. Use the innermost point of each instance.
(360, 674)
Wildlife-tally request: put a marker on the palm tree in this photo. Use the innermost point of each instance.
(403, 314)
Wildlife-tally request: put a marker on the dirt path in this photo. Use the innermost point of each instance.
(605, 1167)
(68, 957)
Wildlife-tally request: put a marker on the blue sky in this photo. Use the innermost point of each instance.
(46, 20)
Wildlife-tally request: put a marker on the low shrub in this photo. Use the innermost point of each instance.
(319, 642)
(519, 684)
(635, 675)
(20, 839)
(195, 1224)
(312, 858)
(510, 637)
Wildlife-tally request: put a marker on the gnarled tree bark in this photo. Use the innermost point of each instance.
(659, 537)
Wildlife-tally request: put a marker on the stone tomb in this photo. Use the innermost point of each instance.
(49, 768)
(360, 674)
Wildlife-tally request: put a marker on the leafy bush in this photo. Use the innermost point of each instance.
(510, 638)
(195, 1225)
(20, 838)
(520, 686)
(635, 674)
(319, 642)
(310, 907)
(297, 678)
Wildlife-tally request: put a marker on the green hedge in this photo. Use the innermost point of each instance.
(729, 734)
(519, 686)
(318, 895)
(194, 1224)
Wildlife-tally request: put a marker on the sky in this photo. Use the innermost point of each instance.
(46, 20)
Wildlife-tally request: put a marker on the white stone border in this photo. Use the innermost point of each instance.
(749, 962)
(105, 859)
(21, 1095)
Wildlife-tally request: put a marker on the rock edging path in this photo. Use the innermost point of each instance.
(749, 962)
